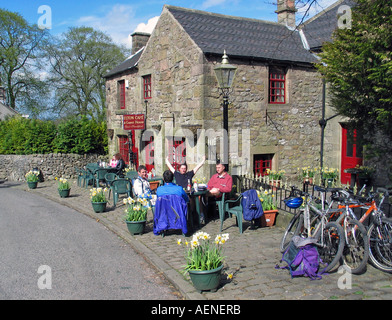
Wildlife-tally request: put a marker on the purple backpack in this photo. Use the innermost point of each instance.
(302, 259)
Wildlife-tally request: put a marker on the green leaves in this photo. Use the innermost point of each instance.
(23, 136)
(358, 66)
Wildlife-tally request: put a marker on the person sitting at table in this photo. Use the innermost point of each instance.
(170, 188)
(120, 165)
(182, 176)
(141, 186)
(113, 162)
(221, 182)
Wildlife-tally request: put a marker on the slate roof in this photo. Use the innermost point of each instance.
(319, 29)
(128, 64)
(250, 38)
(242, 37)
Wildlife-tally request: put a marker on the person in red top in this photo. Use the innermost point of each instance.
(219, 183)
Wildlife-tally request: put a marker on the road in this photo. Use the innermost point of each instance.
(52, 252)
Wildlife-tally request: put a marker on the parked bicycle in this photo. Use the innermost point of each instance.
(379, 229)
(356, 250)
(312, 222)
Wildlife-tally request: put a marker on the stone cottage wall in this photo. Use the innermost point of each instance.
(14, 167)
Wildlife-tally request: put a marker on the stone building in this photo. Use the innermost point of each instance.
(275, 104)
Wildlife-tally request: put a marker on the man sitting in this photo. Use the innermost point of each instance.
(141, 186)
(170, 188)
(220, 183)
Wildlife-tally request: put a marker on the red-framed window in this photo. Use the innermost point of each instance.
(177, 152)
(147, 87)
(261, 163)
(121, 94)
(277, 87)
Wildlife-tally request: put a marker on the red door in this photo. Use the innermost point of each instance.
(351, 152)
(124, 149)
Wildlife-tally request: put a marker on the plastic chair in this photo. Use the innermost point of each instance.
(236, 210)
(131, 175)
(88, 176)
(121, 186)
(99, 175)
(109, 178)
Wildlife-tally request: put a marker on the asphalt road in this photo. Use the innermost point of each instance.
(48, 251)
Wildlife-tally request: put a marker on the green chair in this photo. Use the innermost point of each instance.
(87, 177)
(131, 175)
(99, 175)
(234, 210)
(109, 178)
(121, 186)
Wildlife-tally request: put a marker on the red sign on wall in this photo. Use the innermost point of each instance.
(134, 122)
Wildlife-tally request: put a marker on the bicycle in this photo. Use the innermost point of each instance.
(310, 222)
(356, 250)
(379, 231)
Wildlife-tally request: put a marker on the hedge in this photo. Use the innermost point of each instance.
(30, 136)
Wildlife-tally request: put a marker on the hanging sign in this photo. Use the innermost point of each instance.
(134, 122)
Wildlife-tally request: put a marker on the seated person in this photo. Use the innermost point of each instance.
(141, 186)
(221, 182)
(170, 188)
(120, 166)
(113, 162)
(182, 175)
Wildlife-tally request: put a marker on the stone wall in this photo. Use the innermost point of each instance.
(14, 167)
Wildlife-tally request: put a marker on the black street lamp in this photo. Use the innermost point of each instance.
(225, 74)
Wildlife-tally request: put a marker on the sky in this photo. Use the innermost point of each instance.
(120, 18)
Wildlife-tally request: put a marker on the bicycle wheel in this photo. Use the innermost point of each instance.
(330, 246)
(356, 250)
(380, 240)
(293, 229)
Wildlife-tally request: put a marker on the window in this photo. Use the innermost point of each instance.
(147, 87)
(261, 163)
(277, 87)
(121, 94)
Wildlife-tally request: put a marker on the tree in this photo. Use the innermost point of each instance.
(358, 66)
(79, 60)
(20, 48)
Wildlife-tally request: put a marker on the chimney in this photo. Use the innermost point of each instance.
(286, 12)
(139, 40)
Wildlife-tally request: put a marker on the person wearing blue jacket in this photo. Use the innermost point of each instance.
(170, 188)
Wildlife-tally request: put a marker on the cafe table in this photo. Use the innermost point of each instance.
(196, 195)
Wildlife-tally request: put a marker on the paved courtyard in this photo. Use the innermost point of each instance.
(250, 257)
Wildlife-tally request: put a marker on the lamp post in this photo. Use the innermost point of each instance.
(225, 74)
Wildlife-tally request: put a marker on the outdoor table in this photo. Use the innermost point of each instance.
(197, 197)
